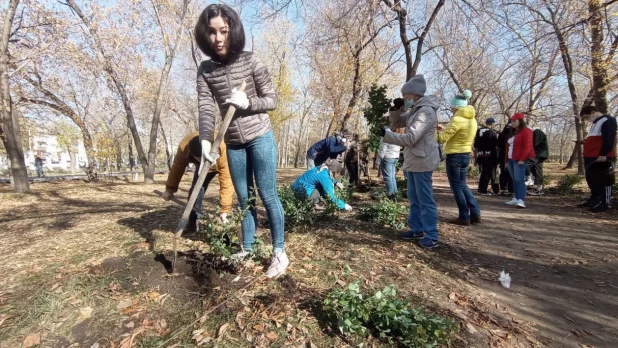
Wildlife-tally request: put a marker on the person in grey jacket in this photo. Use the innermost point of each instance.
(251, 148)
(421, 158)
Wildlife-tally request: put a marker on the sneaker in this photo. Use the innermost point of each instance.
(520, 204)
(411, 235)
(536, 193)
(278, 264)
(485, 193)
(475, 220)
(599, 208)
(459, 222)
(512, 201)
(428, 243)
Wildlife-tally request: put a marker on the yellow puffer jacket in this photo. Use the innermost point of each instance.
(460, 132)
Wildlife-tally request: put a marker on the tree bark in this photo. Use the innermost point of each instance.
(9, 128)
(599, 67)
(568, 67)
(170, 54)
(109, 69)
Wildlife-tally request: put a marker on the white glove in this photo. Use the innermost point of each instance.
(347, 207)
(238, 99)
(223, 217)
(206, 147)
(339, 185)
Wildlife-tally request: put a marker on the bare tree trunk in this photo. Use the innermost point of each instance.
(9, 128)
(131, 155)
(168, 147)
(169, 59)
(109, 68)
(599, 67)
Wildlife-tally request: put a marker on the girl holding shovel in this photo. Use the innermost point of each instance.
(251, 148)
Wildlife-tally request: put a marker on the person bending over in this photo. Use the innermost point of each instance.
(190, 151)
(320, 182)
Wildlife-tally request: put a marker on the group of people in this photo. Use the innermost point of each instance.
(247, 158)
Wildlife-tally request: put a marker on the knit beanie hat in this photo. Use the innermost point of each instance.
(416, 86)
(490, 120)
(461, 100)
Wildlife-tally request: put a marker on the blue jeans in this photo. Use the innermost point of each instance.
(457, 172)
(423, 211)
(196, 212)
(387, 168)
(518, 174)
(258, 159)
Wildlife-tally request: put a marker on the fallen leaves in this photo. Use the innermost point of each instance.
(130, 341)
(85, 312)
(222, 330)
(272, 336)
(3, 317)
(201, 337)
(32, 340)
(124, 304)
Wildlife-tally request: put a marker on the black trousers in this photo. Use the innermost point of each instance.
(506, 181)
(598, 193)
(352, 171)
(488, 167)
(536, 169)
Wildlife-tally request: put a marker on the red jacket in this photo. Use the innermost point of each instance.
(523, 145)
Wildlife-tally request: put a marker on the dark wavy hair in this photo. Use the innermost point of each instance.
(235, 36)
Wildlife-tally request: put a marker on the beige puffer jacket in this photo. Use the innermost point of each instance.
(215, 81)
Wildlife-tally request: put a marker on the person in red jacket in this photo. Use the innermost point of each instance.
(520, 150)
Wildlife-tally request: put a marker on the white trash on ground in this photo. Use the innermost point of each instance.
(505, 279)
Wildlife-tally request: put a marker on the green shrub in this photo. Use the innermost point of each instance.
(221, 237)
(296, 209)
(474, 172)
(386, 213)
(385, 316)
(568, 182)
(546, 179)
(299, 212)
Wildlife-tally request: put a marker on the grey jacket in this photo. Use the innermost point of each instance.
(215, 81)
(421, 148)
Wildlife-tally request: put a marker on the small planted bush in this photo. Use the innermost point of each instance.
(385, 213)
(385, 316)
(300, 213)
(567, 183)
(221, 237)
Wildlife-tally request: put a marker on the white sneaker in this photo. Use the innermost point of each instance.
(520, 204)
(278, 265)
(512, 201)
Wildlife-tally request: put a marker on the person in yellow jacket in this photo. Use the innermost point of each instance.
(190, 151)
(459, 137)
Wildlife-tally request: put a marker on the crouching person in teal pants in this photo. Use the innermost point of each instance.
(320, 182)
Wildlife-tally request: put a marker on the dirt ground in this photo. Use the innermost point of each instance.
(89, 265)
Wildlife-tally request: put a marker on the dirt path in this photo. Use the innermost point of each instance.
(563, 262)
(71, 248)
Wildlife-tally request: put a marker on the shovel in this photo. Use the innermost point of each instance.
(203, 173)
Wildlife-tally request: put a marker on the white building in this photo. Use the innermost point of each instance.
(53, 155)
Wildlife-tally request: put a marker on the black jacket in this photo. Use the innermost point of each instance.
(503, 139)
(485, 142)
(541, 149)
